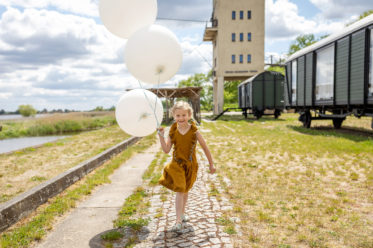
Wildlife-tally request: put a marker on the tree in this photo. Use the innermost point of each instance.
(280, 69)
(301, 42)
(99, 108)
(231, 94)
(204, 81)
(2, 112)
(26, 110)
(362, 16)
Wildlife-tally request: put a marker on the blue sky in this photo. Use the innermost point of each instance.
(57, 54)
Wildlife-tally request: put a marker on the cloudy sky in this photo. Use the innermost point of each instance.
(58, 55)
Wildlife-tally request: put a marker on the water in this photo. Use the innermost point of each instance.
(9, 145)
(16, 117)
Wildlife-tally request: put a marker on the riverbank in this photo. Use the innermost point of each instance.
(56, 124)
(22, 170)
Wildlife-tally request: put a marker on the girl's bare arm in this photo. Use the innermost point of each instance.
(206, 150)
(166, 146)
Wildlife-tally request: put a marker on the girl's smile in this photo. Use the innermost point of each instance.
(182, 116)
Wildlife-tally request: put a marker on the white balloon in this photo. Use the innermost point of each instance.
(153, 54)
(124, 17)
(135, 112)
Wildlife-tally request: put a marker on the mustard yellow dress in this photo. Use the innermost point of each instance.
(181, 173)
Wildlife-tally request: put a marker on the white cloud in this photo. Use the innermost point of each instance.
(342, 9)
(82, 7)
(54, 60)
(283, 22)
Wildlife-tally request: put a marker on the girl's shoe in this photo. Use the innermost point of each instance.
(184, 218)
(177, 228)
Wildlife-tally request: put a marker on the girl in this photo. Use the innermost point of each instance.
(181, 173)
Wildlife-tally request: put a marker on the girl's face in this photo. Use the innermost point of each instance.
(181, 116)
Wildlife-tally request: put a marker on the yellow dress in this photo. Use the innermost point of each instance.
(181, 173)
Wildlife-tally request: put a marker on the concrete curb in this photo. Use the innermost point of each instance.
(22, 205)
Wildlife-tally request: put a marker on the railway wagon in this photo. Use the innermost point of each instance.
(261, 92)
(333, 78)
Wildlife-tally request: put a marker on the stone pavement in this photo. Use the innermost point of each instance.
(202, 209)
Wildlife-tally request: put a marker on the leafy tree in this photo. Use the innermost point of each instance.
(26, 110)
(99, 108)
(301, 42)
(362, 16)
(231, 94)
(204, 81)
(2, 112)
(280, 69)
(365, 14)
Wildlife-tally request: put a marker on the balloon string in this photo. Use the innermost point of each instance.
(150, 105)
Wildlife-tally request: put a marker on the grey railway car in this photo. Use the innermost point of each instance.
(261, 92)
(333, 77)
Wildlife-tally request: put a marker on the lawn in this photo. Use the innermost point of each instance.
(296, 187)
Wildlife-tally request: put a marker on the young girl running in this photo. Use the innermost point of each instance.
(181, 173)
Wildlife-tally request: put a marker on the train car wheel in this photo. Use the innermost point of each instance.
(306, 119)
(277, 114)
(337, 123)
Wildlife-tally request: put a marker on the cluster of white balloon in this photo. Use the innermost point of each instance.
(152, 55)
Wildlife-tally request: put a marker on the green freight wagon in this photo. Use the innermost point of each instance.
(264, 91)
(333, 77)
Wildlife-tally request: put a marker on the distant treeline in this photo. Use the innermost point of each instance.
(45, 111)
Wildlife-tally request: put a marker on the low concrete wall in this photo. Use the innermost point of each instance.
(22, 205)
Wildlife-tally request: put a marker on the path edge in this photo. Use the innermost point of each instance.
(24, 204)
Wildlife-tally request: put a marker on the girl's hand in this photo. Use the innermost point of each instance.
(212, 169)
(161, 131)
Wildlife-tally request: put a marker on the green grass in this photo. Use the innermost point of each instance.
(37, 226)
(292, 186)
(133, 213)
(112, 235)
(55, 125)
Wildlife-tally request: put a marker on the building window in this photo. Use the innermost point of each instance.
(233, 36)
(248, 36)
(370, 87)
(241, 58)
(233, 15)
(249, 14)
(241, 14)
(249, 58)
(294, 81)
(241, 36)
(215, 62)
(233, 59)
(325, 73)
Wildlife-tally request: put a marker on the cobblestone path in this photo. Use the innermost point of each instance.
(202, 209)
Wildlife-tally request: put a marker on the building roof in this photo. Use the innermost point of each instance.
(177, 92)
(333, 37)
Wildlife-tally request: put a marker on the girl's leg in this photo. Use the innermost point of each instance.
(185, 201)
(179, 206)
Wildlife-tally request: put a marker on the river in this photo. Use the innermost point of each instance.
(16, 117)
(9, 145)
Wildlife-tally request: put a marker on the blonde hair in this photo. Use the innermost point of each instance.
(184, 106)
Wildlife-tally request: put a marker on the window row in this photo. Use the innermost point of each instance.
(241, 37)
(241, 58)
(339, 71)
(241, 14)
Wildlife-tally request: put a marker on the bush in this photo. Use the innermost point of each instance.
(26, 110)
